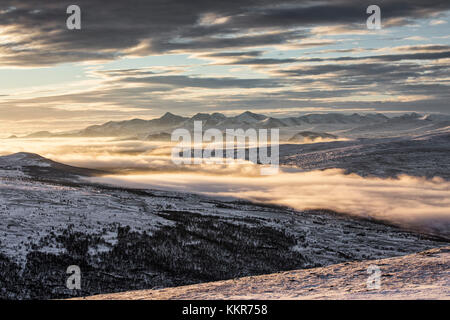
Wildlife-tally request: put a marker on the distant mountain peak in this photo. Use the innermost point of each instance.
(252, 114)
(201, 116)
(169, 116)
(249, 116)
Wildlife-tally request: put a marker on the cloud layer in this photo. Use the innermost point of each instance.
(409, 202)
(147, 27)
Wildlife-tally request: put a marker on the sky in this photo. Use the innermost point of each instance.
(140, 59)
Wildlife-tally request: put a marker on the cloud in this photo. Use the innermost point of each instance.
(423, 48)
(262, 61)
(389, 57)
(410, 202)
(146, 27)
(227, 54)
(377, 79)
(437, 22)
(203, 82)
(416, 38)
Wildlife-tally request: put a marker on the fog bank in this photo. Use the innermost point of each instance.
(410, 202)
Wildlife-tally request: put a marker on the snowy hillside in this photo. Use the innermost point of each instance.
(417, 155)
(31, 164)
(424, 275)
(130, 239)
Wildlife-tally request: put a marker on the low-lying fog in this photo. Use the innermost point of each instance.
(408, 201)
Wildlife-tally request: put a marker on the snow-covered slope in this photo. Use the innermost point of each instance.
(424, 275)
(420, 155)
(129, 239)
(33, 165)
(23, 159)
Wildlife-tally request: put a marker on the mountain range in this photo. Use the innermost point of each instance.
(351, 123)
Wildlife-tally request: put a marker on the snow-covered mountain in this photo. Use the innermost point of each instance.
(24, 159)
(132, 127)
(30, 164)
(351, 125)
(342, 118)
(271, 123)
(208, 120)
